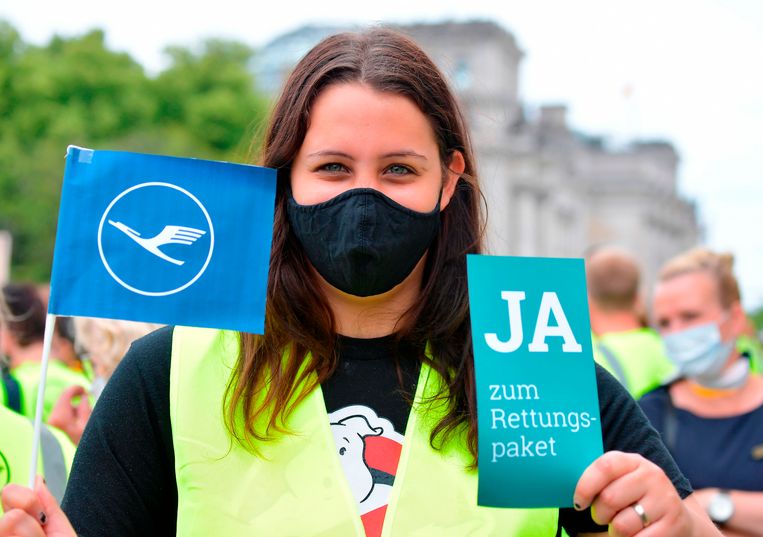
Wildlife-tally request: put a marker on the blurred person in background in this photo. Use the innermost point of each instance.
(65, 349)
(10, 389)
(22, 315)
(622, 342)
(711, 417)
(102, 343)
(56, 453)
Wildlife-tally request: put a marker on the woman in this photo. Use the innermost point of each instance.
(711, 418)
(103, 342)
(377, 205)
(22, 329)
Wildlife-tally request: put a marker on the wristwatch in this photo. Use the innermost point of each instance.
(721, 507)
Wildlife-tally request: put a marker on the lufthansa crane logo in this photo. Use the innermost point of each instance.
(169, 235)
(156, 239)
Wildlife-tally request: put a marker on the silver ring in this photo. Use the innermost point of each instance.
(641, 514)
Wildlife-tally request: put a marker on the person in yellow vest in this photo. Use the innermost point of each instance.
(622, 342)
(22, 314)
(65, 348)
(326, 425)
(103, 342)
(56, 453)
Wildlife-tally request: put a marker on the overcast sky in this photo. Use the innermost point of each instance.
(693, 66)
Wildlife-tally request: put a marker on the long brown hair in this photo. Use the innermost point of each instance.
(276, 371)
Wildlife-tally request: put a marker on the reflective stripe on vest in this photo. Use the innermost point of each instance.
(614, 363)
(59, 377)
(16, 435)
(296, 485)
(635, 357)
(53, 463)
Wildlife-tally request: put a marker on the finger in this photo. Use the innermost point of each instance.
(47, 500)
(658, 529)
(57, 522)
(83, 407)
(18, 523)
(73, 391)
(24, 499)
(600, 473)
(61, 415)
(628, 521)
(619, 496)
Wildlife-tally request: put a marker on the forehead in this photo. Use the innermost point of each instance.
(693, 290)
(357, 110)
(344, 94)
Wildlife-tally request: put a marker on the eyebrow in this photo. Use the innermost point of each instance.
(334, 153)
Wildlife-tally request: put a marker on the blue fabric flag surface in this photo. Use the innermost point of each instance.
(163, 239)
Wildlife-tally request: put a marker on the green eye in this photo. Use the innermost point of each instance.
(333, 167)
(398, 169)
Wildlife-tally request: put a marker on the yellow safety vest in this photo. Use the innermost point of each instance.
(753, 349)
(56, 453)
(634, 357)
(59, 378)
(296, 485)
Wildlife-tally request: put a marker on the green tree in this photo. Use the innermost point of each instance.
(77, 91)
(210, 96)
(757, 318)
(70, 91)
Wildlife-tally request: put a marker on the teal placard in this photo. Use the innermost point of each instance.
(537, 402)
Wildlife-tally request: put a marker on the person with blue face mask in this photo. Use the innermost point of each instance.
(711, 416)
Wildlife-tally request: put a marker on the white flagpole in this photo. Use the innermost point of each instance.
(50, 323)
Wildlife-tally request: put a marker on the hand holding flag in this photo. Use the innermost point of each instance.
(201, 257)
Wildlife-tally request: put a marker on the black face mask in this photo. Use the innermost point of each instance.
(361, 241)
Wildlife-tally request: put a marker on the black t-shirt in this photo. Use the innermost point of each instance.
(122, 481)
(366, 375)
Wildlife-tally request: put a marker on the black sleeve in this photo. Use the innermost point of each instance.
(122, 481)
(624, 428)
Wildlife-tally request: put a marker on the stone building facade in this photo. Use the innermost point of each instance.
(550, 191)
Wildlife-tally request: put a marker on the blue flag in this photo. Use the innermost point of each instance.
(163, 239)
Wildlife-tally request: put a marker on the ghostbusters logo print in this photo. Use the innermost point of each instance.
(369, 449)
